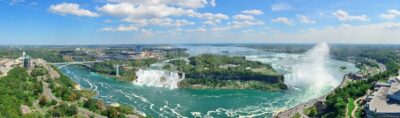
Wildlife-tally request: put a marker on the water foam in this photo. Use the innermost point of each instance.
(158, 78)
(312, 72)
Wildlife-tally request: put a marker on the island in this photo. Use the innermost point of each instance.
(209, 71)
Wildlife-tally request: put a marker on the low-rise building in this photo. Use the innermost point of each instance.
(385, 100)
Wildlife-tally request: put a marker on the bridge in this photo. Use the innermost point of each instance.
(83, 63)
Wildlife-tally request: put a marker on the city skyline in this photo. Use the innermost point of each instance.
(198, 21)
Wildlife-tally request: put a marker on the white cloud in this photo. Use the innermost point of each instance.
(196, 30)
(158, 22)
(13, 2)
(71, 8)
(180, 3)
(212, 19)
(142, 11)
(391, 14)
(147, 32)
(238, 25)
(253, 12)
(241, 24)
(305, 19)
(120, 29)
(392, 26)
(213, 3)
(280, 7)
(344, 16)
(134, 11)
(282, 20)
(243, 17)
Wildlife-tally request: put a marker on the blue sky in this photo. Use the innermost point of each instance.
(198, 21)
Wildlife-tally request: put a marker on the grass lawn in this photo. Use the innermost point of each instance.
(350, 106)
(358, 112)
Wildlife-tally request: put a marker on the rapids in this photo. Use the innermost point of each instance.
(309, 76)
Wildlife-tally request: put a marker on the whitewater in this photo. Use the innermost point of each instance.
(309, 75)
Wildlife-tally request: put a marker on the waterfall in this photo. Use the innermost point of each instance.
(312, 72)
(158, 78)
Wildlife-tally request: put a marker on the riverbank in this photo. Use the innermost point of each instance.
(230, 84)
(298, 109)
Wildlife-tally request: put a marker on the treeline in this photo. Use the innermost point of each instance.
(336, 103)
(225, 68)
(214, 70)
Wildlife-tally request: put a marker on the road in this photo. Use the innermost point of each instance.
(353, 113)
(382, 67)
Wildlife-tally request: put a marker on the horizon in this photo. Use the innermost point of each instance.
(102, 22)
(215, 44)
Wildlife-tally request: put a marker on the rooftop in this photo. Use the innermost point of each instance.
(381, 103)
(394, 87)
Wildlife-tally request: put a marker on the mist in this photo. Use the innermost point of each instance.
(313, 71)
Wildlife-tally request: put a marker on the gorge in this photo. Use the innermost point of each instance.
(308, 76)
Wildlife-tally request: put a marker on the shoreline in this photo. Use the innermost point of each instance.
(288, 113)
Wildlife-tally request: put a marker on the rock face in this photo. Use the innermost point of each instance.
(158, 78)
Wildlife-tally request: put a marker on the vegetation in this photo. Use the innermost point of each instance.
(216, 71)
(62, 87)
(17, 89)
(311, 112)
(46, 54)
(38, 71)
(297, 115)
(63, 110)
(176, 54)
(336, 102)
(350, 106)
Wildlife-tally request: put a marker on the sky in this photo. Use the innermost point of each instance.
(70, 22)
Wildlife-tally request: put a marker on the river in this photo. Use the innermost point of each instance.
(305, 83)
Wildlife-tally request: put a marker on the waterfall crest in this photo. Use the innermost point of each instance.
(312, 72)
(158, 78)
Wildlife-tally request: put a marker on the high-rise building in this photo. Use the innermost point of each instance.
(26, 60)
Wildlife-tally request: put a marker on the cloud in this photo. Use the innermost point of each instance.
(142, 11)
(391, 14)
(344, 16)
(213, 3)
(253, 12)
(305, 19)
(71, 8)
(180, 3)
(120, 29)
(151, 11)
(370, 33)
(392, 26)
(158, 22)
(282, 20)
(212, 19)
(196, 30)
(238, 25)
(280, 7)
(13, 2)
(243, 17)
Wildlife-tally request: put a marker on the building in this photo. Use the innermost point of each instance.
(385, 100)
(26, 60)
(356, 76)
